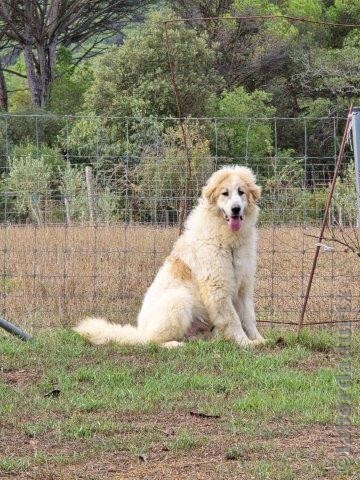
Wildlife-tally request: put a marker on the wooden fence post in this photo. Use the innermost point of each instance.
(91, 194)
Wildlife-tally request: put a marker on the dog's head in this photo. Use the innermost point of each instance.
(232, 192)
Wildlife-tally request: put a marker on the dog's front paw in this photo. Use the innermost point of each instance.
(259, 341)
(245, 342)
(172, 344)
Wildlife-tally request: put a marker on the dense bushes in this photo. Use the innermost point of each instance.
(346, 202)
(40, 185)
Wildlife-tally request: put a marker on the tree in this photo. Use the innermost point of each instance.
(244, 49)
(8, 52)
(3, 89)
(342, 11)
(40, 27)
(66, 95)
(135, 78)
(201, 8)
(326, 73)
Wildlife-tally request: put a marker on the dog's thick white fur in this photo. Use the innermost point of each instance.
(205, 287)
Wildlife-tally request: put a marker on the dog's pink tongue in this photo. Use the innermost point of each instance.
(234, 223)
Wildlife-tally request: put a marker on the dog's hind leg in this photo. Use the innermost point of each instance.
(166, 319)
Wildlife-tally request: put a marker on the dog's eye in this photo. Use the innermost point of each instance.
(226, 193)
(240, 192)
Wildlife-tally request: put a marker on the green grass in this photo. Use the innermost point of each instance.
(266, 470)
(121, 399)
(185, 440)
(12, 465)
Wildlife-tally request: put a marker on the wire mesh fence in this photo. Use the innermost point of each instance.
(90, 208)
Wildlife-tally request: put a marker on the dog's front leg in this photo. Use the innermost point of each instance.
(245, 308)
(223, 314)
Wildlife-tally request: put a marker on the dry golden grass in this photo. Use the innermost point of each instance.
(55, 275)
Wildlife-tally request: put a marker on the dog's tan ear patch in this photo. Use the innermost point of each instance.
(254, 193)
(208, 193)
(211, 189)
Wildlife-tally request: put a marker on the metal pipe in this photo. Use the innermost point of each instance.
(356, 144)
(16, 331)
(183, 207)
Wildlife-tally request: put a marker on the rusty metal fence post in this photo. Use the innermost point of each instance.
(356, 144)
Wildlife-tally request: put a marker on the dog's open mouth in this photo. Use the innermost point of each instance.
(234, 222)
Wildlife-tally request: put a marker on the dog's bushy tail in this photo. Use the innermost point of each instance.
(99, 331)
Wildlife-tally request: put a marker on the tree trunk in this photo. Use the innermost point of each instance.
(40, 72)
(31, 65)
(44, 73)
(33, 79)
(3, 91)
(52, 58)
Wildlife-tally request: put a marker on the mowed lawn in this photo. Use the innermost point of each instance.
(208, 410)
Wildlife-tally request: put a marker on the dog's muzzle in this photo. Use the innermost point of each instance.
(234, 221)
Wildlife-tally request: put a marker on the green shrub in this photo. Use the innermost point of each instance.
(286, 198)
(132, 85)
(162, 172)
(73, 189)
(75, 197)
(345, 201)
(29, 179)
(248, 137)
(67, 90)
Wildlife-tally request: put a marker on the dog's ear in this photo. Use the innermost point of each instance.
(208, 193)
(254, 193)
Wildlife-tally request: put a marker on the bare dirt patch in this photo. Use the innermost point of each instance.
(18, 377)
(304, 449)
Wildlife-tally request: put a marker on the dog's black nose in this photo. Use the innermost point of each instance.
(235, 210)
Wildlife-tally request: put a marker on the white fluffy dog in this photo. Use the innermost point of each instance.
(205, 287)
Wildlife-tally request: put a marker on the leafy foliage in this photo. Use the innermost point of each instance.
(240, 73)
(135, 79)
(68, 89)
(346, 201)
(163, 174)
(73, 188)
(29, 179)
(51, 156)
(247, 138)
